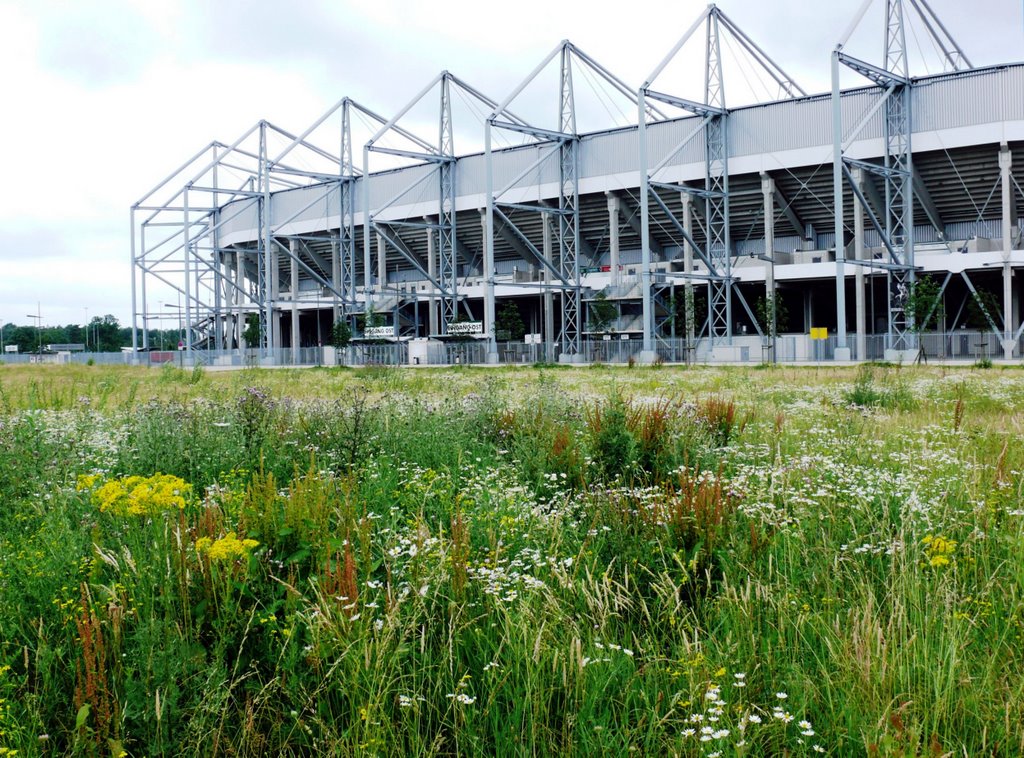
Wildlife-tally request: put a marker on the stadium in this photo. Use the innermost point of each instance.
(878, 221)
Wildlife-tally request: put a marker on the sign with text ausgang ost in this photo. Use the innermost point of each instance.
(819, 333)
(457, 328)
(379, 332)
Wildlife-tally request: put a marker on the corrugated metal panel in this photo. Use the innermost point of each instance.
(975, 98)
(612, 153)
(385, 187)
(796, 124)
(662, 139)
(507, 165)
(963, 230)
(239, 216)
(290, 206)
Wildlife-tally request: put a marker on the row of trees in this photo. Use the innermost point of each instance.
(103, 334)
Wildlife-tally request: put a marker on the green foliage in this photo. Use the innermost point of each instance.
(361, 564)
(613, 447)
(252, 333)
(891, 393)
(603, 313)
(772, 314)
(508, 323)
(983, 310)
(924, 304)
(341, 334)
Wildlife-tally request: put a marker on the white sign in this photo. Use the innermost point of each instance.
(465, 327)
(378, 332)
(10, 348)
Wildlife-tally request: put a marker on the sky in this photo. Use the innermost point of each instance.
(104, 98)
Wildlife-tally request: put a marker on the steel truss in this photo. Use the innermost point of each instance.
(896, 171)
(221, 285)
(442, 155)
(562, 142)
(716, 253)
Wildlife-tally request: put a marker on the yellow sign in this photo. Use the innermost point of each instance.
(819, 333)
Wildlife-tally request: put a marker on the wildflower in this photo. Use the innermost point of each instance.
(140, 495)
(781, 695)
(226, 548)
(818, 748)
(938, 549)
(753, 718)
(688, 732)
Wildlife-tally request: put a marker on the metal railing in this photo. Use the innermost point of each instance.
(961, 345)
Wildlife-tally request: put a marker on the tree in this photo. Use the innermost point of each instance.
(369, 319)
(341, 334)
(982, 308)
(772, 315)
(251, 333)
(508, 325)
(924, 304)
(107, 332)
(603, 313)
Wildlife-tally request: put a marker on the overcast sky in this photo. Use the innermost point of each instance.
(103, 98)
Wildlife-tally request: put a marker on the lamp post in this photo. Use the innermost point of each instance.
(39, 327)
(181, 328)
(86, 309)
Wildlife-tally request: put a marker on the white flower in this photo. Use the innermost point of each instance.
(753, 718)
(781, 695)
(688, 732)
(805, 724)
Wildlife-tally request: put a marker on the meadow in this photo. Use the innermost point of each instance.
(534, 561)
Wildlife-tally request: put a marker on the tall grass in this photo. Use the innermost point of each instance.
(548, 562)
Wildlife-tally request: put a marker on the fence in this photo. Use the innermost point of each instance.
(961, 345)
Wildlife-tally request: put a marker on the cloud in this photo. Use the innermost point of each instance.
(95, 44)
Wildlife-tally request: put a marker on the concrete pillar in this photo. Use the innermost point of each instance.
(687, 200)
(275, 295)
(382, 263)
(549, 300)
(239, 299)
(432, 270)
(768, 195)
(489, 299)
(219, 284)
(858, 254)
(335, 280)
(613, 237)
(293, 245)
(1005, 164)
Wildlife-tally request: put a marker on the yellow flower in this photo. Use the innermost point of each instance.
(142, 496)
(939, 549)
(227, 548)
(86, 482)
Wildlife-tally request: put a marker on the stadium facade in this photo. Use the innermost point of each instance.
(700, 232)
